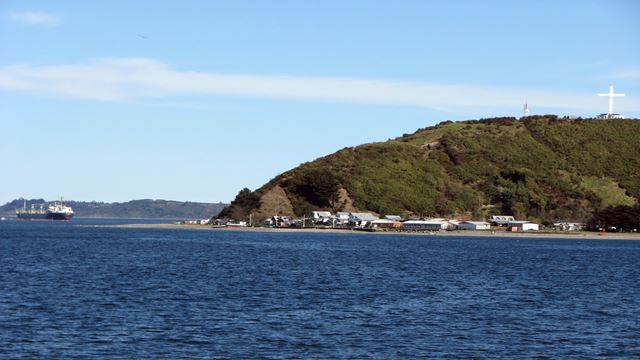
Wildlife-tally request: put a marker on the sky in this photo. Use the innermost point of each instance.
(195, 100)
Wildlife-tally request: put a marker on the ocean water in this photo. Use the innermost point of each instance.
(69, 291)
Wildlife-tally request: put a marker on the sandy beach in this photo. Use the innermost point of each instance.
(577, 235)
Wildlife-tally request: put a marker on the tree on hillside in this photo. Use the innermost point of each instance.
(245, 202)
(247, 199)
(319, 187)
(622, 218)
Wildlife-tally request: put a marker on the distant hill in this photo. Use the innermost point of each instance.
(150, 209)
(542, 168)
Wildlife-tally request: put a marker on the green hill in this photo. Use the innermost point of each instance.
(542, 168)
(145, 208)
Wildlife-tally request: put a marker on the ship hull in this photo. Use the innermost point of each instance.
(47, 216)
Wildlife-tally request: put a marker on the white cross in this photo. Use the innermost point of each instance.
(611, 94)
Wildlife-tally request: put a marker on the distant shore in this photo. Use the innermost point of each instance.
(578, 235)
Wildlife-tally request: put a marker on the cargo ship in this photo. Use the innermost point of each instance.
(55, 211)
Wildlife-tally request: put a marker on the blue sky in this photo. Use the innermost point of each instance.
(193, 100)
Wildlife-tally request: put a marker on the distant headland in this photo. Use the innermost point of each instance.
(144, 209)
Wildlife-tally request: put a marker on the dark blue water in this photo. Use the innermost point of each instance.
(73, 292)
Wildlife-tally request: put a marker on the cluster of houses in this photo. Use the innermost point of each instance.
(370, 221)
(193, 222)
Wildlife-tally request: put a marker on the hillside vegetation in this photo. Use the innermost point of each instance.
(541, 168)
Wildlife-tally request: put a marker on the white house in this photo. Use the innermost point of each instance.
(501, 219)
(474, 225)
(322, 217)
(342, 218)
(361, 219)
(393, 217)
(321, 214)
(522, 226)
(433, 225)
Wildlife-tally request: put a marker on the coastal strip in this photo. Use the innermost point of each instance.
(577, 235)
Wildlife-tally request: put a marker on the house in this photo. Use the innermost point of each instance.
(431, 225)
(474, 225)
(386, 224)
(610, 116)
(568, 226)
(453, 224)
(277, 221)
(322, 217)
(393, 217)
(522, 225)
(361, 219)
(342, 218)
(501, 220)
(220, 222)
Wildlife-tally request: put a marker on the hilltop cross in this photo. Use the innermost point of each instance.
(611, 94)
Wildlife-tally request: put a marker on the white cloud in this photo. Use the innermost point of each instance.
(35, 18)
(119, 79)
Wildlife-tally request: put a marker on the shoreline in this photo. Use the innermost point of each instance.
(581, 235)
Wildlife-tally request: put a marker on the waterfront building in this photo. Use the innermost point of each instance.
(393, 217)
(501, 220)
(474, 225)
(323, 217)
(522, 225)
(386, 224)
(361, 219)
(431, 225)
(342, 218)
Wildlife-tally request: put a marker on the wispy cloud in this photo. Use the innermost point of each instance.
(35, 18)
(626, 74)
(120, 79)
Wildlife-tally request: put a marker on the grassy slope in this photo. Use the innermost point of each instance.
(541, 168)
